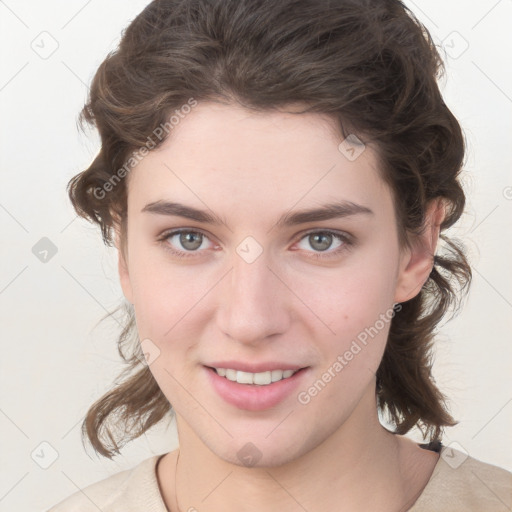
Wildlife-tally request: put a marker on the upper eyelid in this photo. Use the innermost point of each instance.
(176, 231)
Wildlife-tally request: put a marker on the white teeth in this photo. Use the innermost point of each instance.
(244, 377)
(260, 379)
(277, 375)
(231, 374)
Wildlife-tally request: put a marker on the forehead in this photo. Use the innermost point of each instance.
(227, 156)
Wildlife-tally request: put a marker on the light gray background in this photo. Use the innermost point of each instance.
(56, 361)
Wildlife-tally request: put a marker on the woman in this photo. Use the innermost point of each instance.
(276, 177)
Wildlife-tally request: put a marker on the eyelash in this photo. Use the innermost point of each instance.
(347, 240)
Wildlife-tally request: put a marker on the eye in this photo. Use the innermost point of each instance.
(184, 242)
(322, 241)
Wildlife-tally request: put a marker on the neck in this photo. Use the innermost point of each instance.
(360, 465)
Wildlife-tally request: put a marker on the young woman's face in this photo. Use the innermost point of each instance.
(254, 282)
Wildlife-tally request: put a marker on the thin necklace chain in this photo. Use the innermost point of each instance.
(175, 478)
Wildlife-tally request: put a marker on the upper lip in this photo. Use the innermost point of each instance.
(254, 367)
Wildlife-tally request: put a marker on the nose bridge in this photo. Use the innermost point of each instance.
(253, 305)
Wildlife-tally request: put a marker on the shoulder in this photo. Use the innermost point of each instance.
(130, 490)
(460, 482)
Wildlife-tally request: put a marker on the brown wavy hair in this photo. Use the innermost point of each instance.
(371, 66)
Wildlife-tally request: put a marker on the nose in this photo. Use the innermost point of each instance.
(255, 304)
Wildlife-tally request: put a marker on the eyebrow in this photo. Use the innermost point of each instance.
(337, 209)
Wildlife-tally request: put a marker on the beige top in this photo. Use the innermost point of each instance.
(458, 483)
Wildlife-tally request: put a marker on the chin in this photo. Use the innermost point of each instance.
(261, 451)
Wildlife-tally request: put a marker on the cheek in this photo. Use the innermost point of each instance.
(348, 299)
(167, 309)
(356, 305)
(165, 295)
(352, 354)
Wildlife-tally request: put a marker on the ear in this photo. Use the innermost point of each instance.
(124, 276)
(416, 263)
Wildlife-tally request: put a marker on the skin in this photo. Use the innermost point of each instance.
(250, 168)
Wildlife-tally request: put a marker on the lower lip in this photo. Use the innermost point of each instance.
(253, 397)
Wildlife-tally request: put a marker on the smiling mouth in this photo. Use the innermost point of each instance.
(259, 379)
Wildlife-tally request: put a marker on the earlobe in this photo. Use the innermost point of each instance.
(417, 262)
